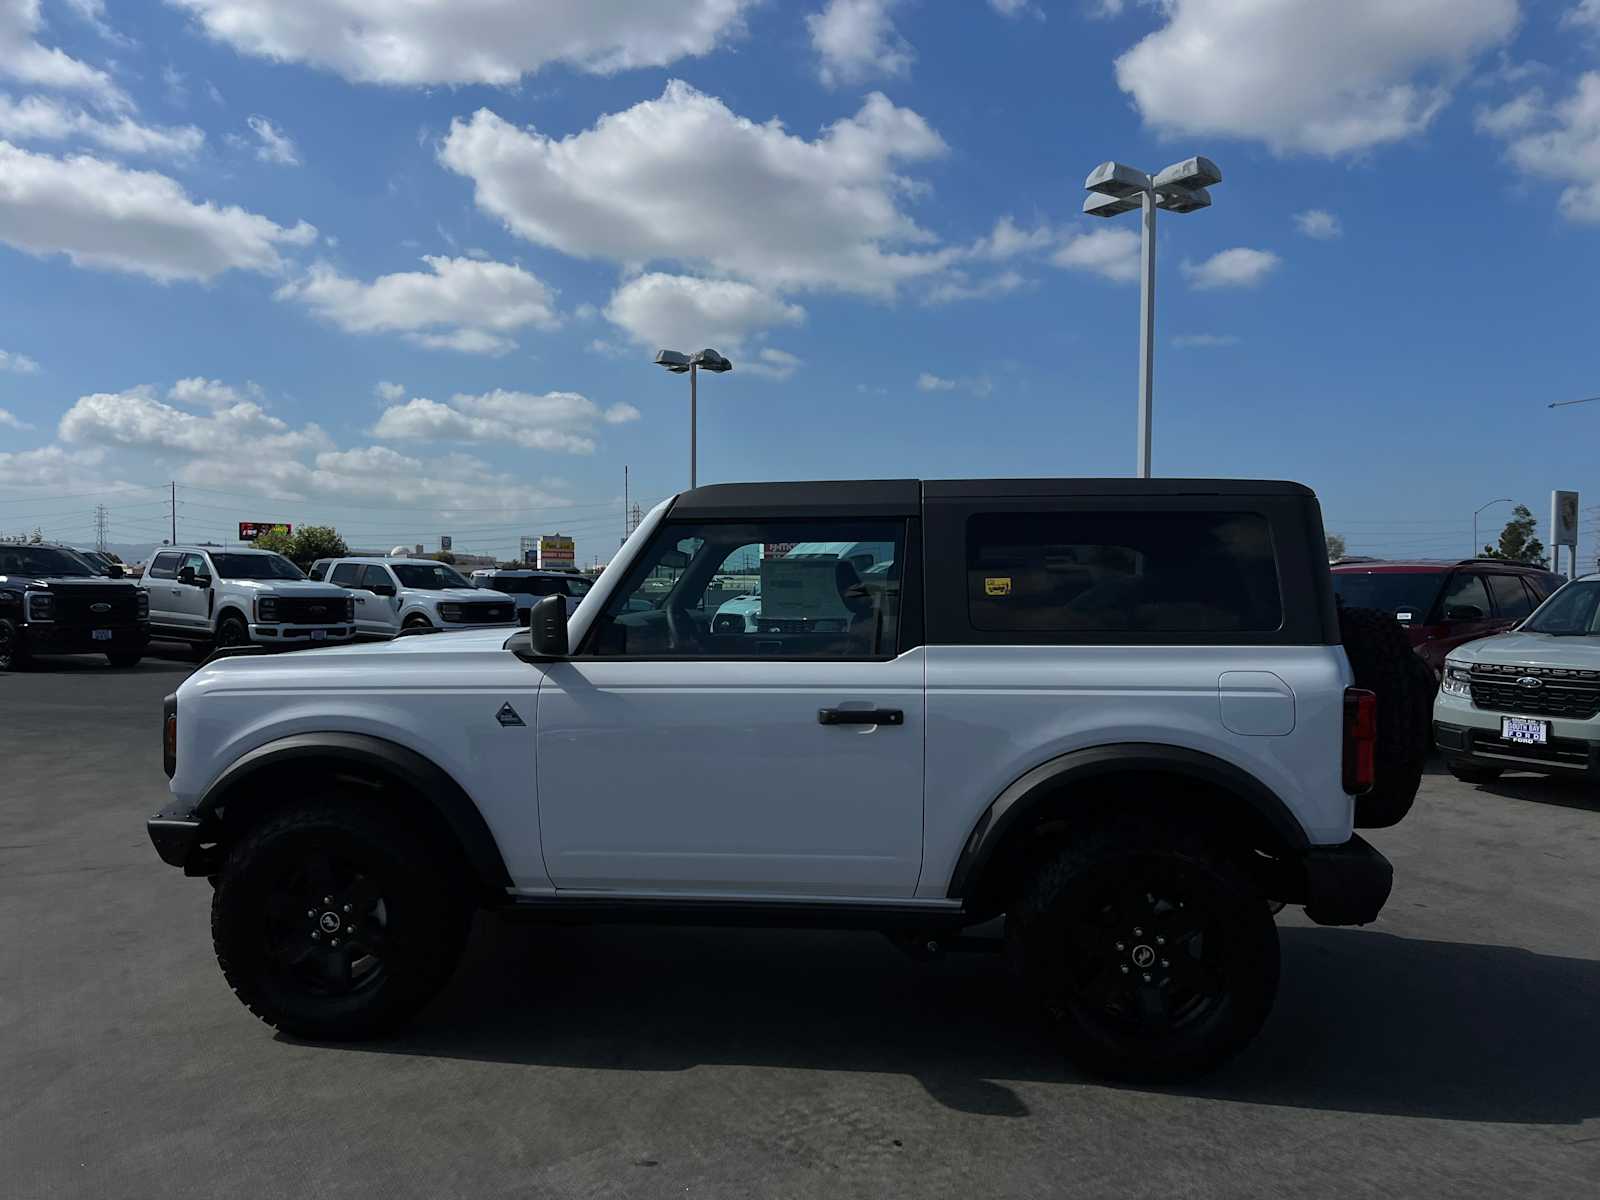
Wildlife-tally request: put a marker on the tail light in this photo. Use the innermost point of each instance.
(169, 735)
(1360, 740)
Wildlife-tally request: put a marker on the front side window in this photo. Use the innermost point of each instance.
(347, 575)
(255, 566)
(195, 563)
(318, 570)
(376, 577)
(164, 566)
(1510, 597)
(735, 590)
(1113, 572)
(1466, 599)
(432, 577)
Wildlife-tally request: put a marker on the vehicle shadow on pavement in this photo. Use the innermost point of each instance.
(1366, 1022)
(1580, 794)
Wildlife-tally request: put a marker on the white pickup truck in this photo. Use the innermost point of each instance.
(1117, 713)
(395, 594)
(218, 598)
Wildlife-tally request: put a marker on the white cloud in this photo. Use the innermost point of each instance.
(56, 468)
(929, 382)
(1562, 143)
(1204, 341)
(1017, 8)
(683, 179)
(1514, 116)
(681, 312)
(20, 364)
(103, 215)
(957, 285)
(241, 432)
(857, 40)
(1308, 75)
(22, 58)
(772, 363)
(1240, 267)
(199, 391)
(1111, 253)
(457, 304)
(1319, 223)
(276, 146)
(1103, 9)
(1585, 15)
(12, 421)
(561, 421)
(1008, 239)
(46, 119)
(390, 392)
(495, 42)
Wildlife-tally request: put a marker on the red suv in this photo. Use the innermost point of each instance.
(1440, 605)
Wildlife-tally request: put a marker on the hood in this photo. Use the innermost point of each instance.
(1532, 650)
(469, 593)
(288, 587)
(68, 581)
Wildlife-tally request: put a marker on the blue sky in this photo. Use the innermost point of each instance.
(404, 271)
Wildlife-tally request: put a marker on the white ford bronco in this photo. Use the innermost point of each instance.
(216, 597)
(1116, 713)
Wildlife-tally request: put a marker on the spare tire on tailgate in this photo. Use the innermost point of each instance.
(1383, 662)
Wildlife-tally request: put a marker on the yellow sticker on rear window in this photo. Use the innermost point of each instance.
(997, 586)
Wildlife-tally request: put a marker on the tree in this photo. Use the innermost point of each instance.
(1336, 548)
(444, 556)
(277, 541)
(318, 541)
(1517, 540)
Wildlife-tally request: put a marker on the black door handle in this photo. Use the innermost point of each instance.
(860, 716)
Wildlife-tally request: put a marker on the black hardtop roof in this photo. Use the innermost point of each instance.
(904, 497)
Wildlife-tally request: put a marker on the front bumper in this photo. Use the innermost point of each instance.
(1346, 884)
(48, 637)
(300, 635)
(1485, 747)
(175, 833)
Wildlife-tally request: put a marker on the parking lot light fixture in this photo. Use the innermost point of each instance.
(678, 363)
(1118, 188)
(1477, 549)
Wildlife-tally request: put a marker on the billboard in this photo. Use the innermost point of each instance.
(557, 552)
(1564, 530)
(444, 542)
(249, 531)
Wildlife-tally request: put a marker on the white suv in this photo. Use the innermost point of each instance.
(1117, 713)
(221, 598)
(394, 594)
(1528, 700)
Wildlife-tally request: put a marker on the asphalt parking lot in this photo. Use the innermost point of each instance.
(1453, 1048)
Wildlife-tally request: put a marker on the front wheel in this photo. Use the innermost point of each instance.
(1150, 952)
(12, 655)
(417, 621)
(231, 631)
(328, 924)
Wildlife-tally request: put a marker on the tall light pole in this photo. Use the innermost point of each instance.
(1119, 188)
(678, 362)
(1476, 550)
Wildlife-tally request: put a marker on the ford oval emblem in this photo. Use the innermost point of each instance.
(1529, 681)
(99, 608)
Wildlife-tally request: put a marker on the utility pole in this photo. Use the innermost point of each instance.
(624, 503)
(174, 512)
(100, 525)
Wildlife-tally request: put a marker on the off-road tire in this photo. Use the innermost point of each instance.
(1468, 772)
(417, 621)
(424, 916)
(231, 631)
(1383, 662)
(1066, 942)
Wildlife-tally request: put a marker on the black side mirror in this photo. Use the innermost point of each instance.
(1463, 612)
(114, 571)
(383, 589)
(547, 627)
(186, 576)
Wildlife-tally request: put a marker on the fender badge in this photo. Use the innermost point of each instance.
(507, 716)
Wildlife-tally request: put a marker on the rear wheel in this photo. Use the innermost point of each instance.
(328, 924)
(1149, 950)
(1472, 772)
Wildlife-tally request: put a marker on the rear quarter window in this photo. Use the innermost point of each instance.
(1108, 572)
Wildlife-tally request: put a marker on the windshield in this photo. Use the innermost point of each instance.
(43, 561)
(431, 577)
(255, 566)
(1571, 612)
(1391, 592)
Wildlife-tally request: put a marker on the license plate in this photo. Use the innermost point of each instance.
(100, 635)
(318, 635)
(1525, 730)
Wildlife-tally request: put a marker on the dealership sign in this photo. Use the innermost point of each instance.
(558, 552)
(249, 531)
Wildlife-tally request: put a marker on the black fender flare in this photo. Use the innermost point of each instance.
(387, 760)
(1024, 796)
